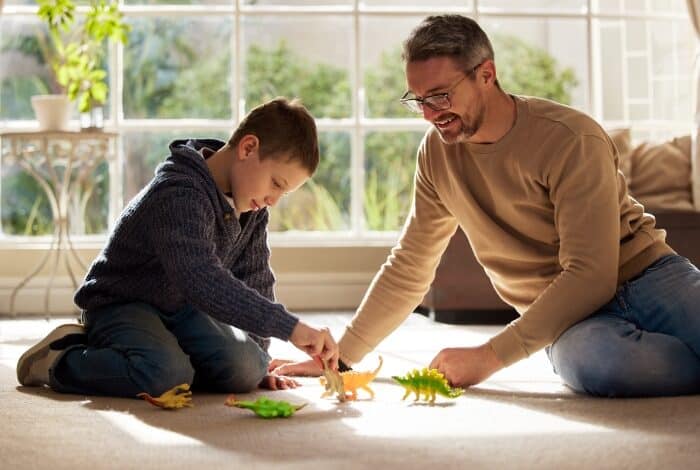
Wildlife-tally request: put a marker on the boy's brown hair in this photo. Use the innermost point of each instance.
(284, 128)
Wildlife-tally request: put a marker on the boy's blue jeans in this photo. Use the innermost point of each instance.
(644, 342)
(135, 348)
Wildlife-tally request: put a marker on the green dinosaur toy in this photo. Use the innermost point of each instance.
(266, 408)
(429, 382)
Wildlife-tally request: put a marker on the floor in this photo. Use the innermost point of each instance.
(522, 417)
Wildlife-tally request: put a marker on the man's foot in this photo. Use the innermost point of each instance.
(34, 365)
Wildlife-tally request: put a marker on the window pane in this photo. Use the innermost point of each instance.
(23, 69)
(25, 205)
(541, 57)
(323, 203)
(382, 66)
(638, 78)
(611, 61)
(389, 168)
(639, 111)
(144, 151)
(416, 3)
(640, 6)
(178, 67)
(657, 69)
(177, 2)
(539, 5)
(297, 3)
(293, 57)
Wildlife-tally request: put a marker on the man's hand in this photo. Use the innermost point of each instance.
(310, 368)
(463, 367)
(315, 342)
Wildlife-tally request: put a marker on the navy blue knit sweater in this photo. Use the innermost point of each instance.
(178, 243)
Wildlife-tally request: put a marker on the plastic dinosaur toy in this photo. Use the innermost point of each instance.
(333, 382)
(176, 397)
(429, 382)
(353, 380)
(265, 408)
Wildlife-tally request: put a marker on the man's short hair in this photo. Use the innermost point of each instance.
(284, 128)
(454, 36)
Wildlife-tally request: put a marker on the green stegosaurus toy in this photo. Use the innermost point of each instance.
(429, 382)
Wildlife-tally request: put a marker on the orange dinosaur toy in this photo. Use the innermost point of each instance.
(353, 380)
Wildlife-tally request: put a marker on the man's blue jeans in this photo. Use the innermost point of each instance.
(135, 348)
(644, 342)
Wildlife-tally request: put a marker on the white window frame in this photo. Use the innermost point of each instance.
(357, 125)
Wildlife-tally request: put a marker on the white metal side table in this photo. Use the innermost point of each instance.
(62, 163)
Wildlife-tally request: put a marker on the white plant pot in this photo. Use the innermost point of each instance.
(52, 111)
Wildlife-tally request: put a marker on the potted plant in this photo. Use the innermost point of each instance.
(75, 54)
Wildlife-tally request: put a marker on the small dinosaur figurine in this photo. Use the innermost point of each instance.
(352, 380)
(333, 382)
(429, 382)
(176, 397)
(265, 408)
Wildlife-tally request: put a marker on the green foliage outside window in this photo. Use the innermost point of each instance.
(168, 77)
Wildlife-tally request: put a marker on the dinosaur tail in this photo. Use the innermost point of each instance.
(400, 380)
(376, 371)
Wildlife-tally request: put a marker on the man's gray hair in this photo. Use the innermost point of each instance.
(454, 36)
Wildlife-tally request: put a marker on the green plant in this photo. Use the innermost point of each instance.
(76, 54)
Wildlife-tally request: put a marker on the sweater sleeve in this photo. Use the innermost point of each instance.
(582, 184)
(253, 267)
(180, 234)
(405, 277)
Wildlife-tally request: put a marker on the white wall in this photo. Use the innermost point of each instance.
(309, 278)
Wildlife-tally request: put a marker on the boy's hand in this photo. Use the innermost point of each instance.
(315, 342)
(310, 368)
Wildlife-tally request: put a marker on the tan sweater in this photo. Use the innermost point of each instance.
(547, 214)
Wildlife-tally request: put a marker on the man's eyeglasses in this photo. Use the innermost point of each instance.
(436, 102)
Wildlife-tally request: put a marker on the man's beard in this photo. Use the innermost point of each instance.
(468, 127)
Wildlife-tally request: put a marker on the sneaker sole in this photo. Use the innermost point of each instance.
(41, 349)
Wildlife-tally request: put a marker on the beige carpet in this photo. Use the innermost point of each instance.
(521, 418)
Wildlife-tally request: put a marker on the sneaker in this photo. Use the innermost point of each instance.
(34, 365)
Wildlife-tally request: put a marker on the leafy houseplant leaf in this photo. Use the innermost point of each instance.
(78, 49)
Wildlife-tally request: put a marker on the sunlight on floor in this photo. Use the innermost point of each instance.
(145, 433)
(463, 417)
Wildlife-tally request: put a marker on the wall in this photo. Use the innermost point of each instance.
(309, 278)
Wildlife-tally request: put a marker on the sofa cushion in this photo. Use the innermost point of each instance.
(658, 175)
(622, 138)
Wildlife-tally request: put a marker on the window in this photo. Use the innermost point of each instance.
(193, 68)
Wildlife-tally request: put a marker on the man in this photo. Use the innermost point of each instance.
(536, 188)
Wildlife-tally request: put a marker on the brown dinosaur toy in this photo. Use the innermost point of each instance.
(353, 380)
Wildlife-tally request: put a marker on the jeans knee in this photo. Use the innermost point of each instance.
(594, 378)
(590, 362)
(234, 372)
(157, 375)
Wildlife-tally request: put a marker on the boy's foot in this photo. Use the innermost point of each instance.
(34, 365)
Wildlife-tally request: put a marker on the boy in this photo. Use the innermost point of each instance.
(187, 260)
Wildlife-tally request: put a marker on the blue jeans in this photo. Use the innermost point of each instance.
(645, 342)
(135, 348)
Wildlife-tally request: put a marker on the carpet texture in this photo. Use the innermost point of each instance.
(522, 417)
